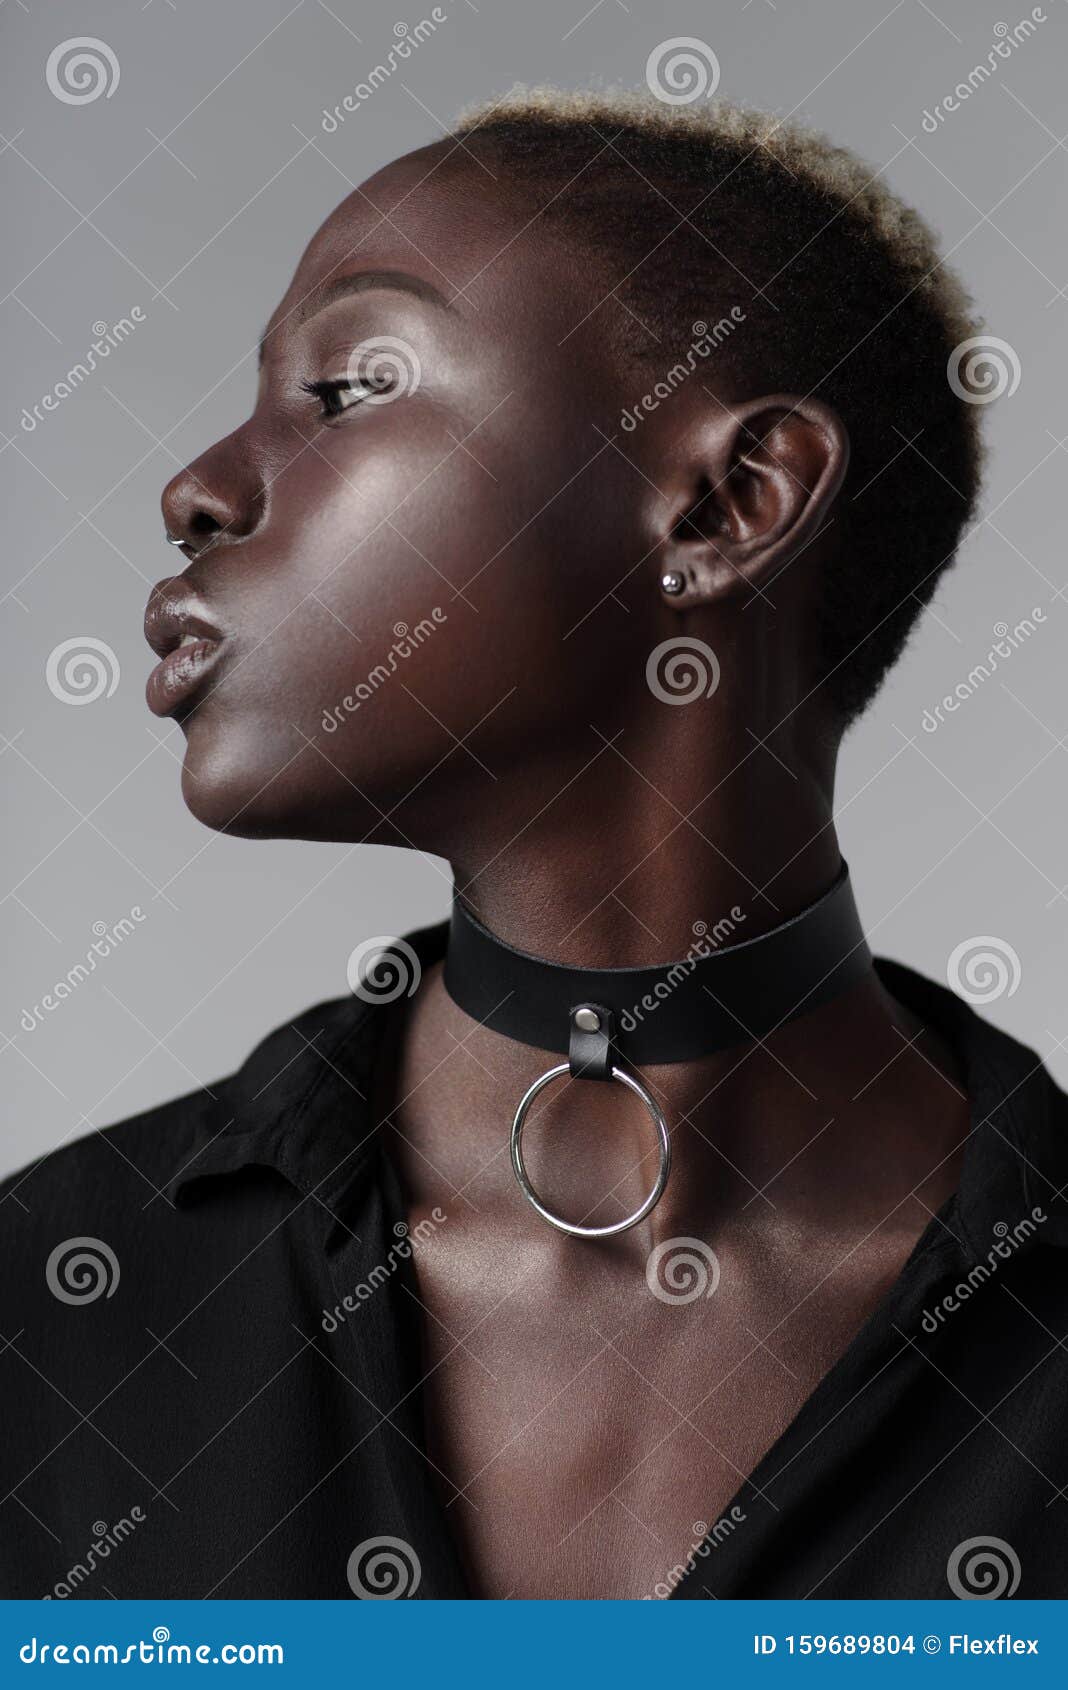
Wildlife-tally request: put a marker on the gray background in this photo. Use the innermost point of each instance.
(189, 192)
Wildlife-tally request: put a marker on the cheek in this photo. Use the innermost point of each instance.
(406, 619)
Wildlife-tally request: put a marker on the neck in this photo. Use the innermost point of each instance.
(608, 870)
(612, 871)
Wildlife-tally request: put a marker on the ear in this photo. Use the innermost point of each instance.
(754, 484)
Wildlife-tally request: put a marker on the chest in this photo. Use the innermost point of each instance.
(588, 1433)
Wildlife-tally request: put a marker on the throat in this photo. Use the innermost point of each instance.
(843, 1118)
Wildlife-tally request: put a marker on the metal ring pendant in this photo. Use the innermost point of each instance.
(531, 1195)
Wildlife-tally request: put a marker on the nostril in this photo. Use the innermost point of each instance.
(219, 497)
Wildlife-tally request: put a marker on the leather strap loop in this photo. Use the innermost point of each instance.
(589, 1051)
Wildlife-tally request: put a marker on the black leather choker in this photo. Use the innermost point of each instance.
(674, 1012)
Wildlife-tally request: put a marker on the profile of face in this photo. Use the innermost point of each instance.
(424, 576)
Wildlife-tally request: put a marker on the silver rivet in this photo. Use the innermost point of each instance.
(587, 1020)
(672, 582)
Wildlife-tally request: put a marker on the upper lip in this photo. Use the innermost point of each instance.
(172, 611)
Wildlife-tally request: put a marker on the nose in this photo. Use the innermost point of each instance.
(219, 496)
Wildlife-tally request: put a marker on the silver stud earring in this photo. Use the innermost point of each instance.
(672, 582)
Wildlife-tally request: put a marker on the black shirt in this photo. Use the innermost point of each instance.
(179, 1419)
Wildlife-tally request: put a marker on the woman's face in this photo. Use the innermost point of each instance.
(428, 566)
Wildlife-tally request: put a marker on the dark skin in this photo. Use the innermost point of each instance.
(578, 1425)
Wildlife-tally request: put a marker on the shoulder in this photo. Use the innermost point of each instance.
(103, 1181)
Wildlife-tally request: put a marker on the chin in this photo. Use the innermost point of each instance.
(224, 804)
(230, 787)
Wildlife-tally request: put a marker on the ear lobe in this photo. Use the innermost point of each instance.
(769, 471)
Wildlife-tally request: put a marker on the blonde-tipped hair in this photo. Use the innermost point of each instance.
(770, 143)
(844, 294)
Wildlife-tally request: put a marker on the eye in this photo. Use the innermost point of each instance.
(337, 397)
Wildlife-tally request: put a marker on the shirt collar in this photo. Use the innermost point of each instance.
(299, 1105)
(1015, 1165)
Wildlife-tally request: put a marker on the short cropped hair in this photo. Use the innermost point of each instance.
(690, 209)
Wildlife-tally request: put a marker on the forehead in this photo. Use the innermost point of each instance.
(465, 228)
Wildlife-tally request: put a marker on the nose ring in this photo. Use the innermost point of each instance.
(174, 539)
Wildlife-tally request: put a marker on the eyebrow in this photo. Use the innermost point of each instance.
(361, 281)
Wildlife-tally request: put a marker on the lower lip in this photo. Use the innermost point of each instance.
(181, 673)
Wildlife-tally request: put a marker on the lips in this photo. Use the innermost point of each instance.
(187, 642)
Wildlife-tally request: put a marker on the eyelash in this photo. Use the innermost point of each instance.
(329, 394)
